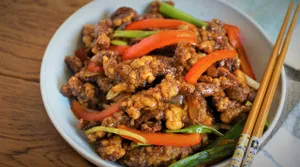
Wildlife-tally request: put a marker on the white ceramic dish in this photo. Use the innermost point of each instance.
(67, 38)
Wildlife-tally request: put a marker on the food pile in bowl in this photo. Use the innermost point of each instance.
(161, 88)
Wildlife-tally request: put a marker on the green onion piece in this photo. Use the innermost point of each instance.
(116, 131)
(172, 12)
(232, 134)
(266, 125)
(196, 129)
(206, 156)
(133, 33)
(118, 42)
(141, 145)
(248, 103)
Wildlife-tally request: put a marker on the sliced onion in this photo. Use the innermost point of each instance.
(251, 82)
(111, 94)
(178, 100)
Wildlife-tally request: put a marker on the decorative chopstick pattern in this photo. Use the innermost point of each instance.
(264, 97)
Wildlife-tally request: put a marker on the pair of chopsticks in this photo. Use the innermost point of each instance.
(244, 153)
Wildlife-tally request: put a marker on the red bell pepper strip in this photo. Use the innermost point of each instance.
(164, 139)
(94, 67)
(80, 53)
(245, 65)
(201, 66)
(159, 23)
(161, 39)
(81, 112)
(234, 39)
(119, 49)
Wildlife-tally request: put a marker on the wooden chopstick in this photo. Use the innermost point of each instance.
(264, 111)
(259, 126)
(245, 136)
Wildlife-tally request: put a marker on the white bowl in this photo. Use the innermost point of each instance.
(67, 38)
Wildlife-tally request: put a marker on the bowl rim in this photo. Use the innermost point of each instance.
(96, 159)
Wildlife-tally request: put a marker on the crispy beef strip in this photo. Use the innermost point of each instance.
(185, 57)
(74, 63)
(202, 114)
(84, 92)
(85, 75)
(152, 99)
(123, 15)
(136, 73)
(230, 64)
(252, 95)
(150, 121)
(84, 124)
(155, 156)
(104, 83)
(111, 148)
(102, 32)
(152, 156)
(232, 95)
(151, 126)
(229, 109)
(214, 37)
(88, 35)
(154, 11)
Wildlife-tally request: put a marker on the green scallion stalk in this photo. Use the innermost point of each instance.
(118, 42)
(196, 129)
(116, 131)
(133, 33)
(230, 135)
(266, 125)
(172, 12)
(206, 156)
(248, 103)
(141, 145)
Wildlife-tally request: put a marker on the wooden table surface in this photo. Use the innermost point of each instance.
(27, 136)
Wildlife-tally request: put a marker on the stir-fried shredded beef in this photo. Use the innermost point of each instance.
(136, 73)
(102, 33)
(74, 63)
(214, 37)
(84, 92)
(123, 15)
(151, 91)
(111, 148)
(154, 155)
